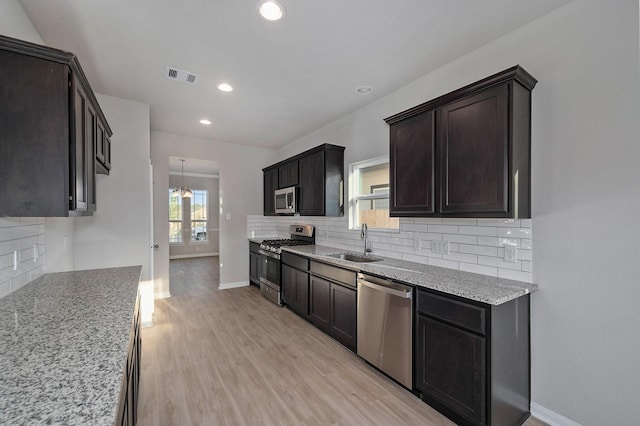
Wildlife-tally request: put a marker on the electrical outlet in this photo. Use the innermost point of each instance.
(440, 247)
(510, 253)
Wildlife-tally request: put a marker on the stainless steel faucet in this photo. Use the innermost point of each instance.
(363, 235)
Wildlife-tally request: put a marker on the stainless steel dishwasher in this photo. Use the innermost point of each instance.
(385, 326)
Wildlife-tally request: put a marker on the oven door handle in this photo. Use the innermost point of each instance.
(270, 254)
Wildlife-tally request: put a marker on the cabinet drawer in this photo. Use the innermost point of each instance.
(254, 247)
(294, 260)
(340, 275)
(456, 312)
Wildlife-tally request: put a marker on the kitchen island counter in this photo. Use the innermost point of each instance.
(63, 347)
(481, 288)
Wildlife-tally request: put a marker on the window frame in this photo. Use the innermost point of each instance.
(179, 221)
(355, 196)
(192, 220)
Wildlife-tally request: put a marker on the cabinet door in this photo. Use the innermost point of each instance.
(270, 185)
(320, 302)
(254, 264)
(79, 191)
(473, 145)
(288, 174)
(312, 181)
(90, 157)
(301, 294)
(107, 152)
(412, 166)
(344, 304)
(288, 284)
(450, 368)
(100, 143)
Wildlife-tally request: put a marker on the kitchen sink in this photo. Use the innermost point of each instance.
(352, 257)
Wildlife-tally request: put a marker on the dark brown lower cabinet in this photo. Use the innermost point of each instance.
(333, 308)
(320, 302)
(128, 406)
(472, 360)
(452, 367)
(295, 290)
(254, 263)
(344, 305)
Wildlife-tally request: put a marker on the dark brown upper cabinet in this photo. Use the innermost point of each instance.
(50, 123)
(466, 153)
(270, 184)
(288, 174)
(412, 166)
(319, 176)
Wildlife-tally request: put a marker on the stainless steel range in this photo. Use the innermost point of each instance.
(270, 266)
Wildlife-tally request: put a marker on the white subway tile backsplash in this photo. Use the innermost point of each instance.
(21, 235)
(479, 269)
(475, 245)
(514, 232)
(443, 263)
(480, 250)
(489, 241)
(461, 239)
(459, 221)
(444, 229)
(499, 263)
(511, 223)
(461, 257)
(488, 231)
(515, 275)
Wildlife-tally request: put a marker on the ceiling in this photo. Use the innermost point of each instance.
(290, 77)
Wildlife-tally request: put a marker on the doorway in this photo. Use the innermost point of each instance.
(193, 198)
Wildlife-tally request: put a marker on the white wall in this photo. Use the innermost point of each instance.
(585, 156)
(15, 23)
(240, 195)
(118, 232)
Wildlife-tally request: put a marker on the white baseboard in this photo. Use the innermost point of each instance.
(188, 256)
(163, 295)
(550, 417)
(233, 285)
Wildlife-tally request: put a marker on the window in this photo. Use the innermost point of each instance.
(369, 190)
(199, 214)
(175, 218)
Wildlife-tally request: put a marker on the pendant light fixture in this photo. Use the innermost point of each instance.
(182, 191)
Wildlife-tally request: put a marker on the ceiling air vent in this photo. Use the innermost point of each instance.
(181, 75)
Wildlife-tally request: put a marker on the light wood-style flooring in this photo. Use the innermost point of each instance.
(230, 357)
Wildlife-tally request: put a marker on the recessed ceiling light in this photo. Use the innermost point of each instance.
(205, 122)
(363, 90)
(271, 10)
(224, 87)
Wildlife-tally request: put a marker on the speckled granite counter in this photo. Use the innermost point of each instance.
(63, 347)
(481, 288)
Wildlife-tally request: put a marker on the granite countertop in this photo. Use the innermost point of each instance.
(482, 288)
(63, 347)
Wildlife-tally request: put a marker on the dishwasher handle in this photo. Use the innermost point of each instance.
(389, 287)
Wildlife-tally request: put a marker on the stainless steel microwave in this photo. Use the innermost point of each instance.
(286, 200)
